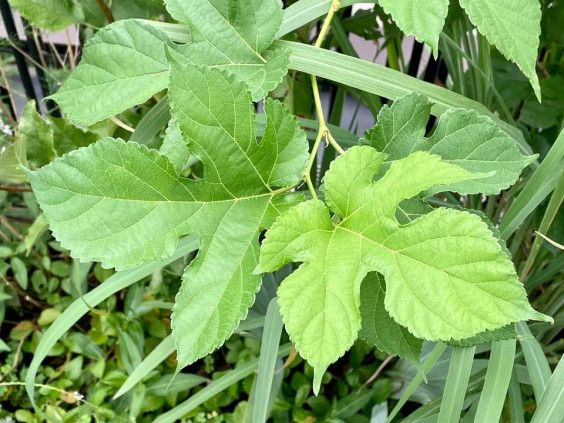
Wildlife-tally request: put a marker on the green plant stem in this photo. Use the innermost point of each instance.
(307, 173)
(323, 131)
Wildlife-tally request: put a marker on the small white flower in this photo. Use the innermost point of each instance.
(78, 396)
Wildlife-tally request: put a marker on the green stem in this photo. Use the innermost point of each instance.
(323, 131)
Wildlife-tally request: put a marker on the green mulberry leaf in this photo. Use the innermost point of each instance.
(53, 15)
(123, 204)
(424, 19)
(378, 328)
(235, 36)
(446, 276)
(514, 26)
(38, 136)
(123, 65)
(462, 137)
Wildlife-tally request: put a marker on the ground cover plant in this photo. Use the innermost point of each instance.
(244, 229)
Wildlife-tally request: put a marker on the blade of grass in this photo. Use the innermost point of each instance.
(498, 375)
(305, 11)
(385, 82)
(228, 379)
(156, 357)
(78, 308)
(551, 407)
(433, 356)
(456, 384)
(516, 409)
(549, 215)
(537, 365)
(540, 185)
(267, 361)
(150, 124)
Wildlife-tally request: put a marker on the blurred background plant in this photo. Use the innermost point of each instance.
(101, 346)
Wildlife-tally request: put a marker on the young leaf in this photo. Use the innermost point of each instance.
(446, 275)
(123, 65)
(378, 328)
(38, 135)
(424, 19)
(234, 36)
(12, 158)
(514, 27)
(127, 196)
(463, 137)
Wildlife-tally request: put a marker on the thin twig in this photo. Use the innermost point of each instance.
(16, 359)
(10, 93)
(72, 58)
(15, 189)
(107, 11)
(38, 46)
(8, 226)
(377, 372)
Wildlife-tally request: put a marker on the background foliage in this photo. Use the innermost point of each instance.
(122, 317)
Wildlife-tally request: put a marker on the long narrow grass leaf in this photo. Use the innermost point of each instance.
(456, 384)
(267, 361)
(228, 379)
(78, 308)
(498, 375)
(383, 81)
(516, 409)
(551, 407)
(539, 186)
(156, 357)
(537, 364)
(433, 356)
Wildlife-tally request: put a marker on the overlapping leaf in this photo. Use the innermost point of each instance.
(125, 63)
(462, 137)
(234, 36)
(131, 198)
(514, 26)
(424, 19)
(378, 328)
(446, 275)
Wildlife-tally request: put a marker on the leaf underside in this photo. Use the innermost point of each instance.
(514, 26)
(424, 19)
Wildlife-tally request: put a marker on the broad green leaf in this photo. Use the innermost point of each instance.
(53, 15)
(514, 27)
(424, 19)
(463, 137)
(378, 328)
(446, 275)
(174, 147)
(123, 65)
(127, 196)
(12, 158)
(234, 36)
(38, 135)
